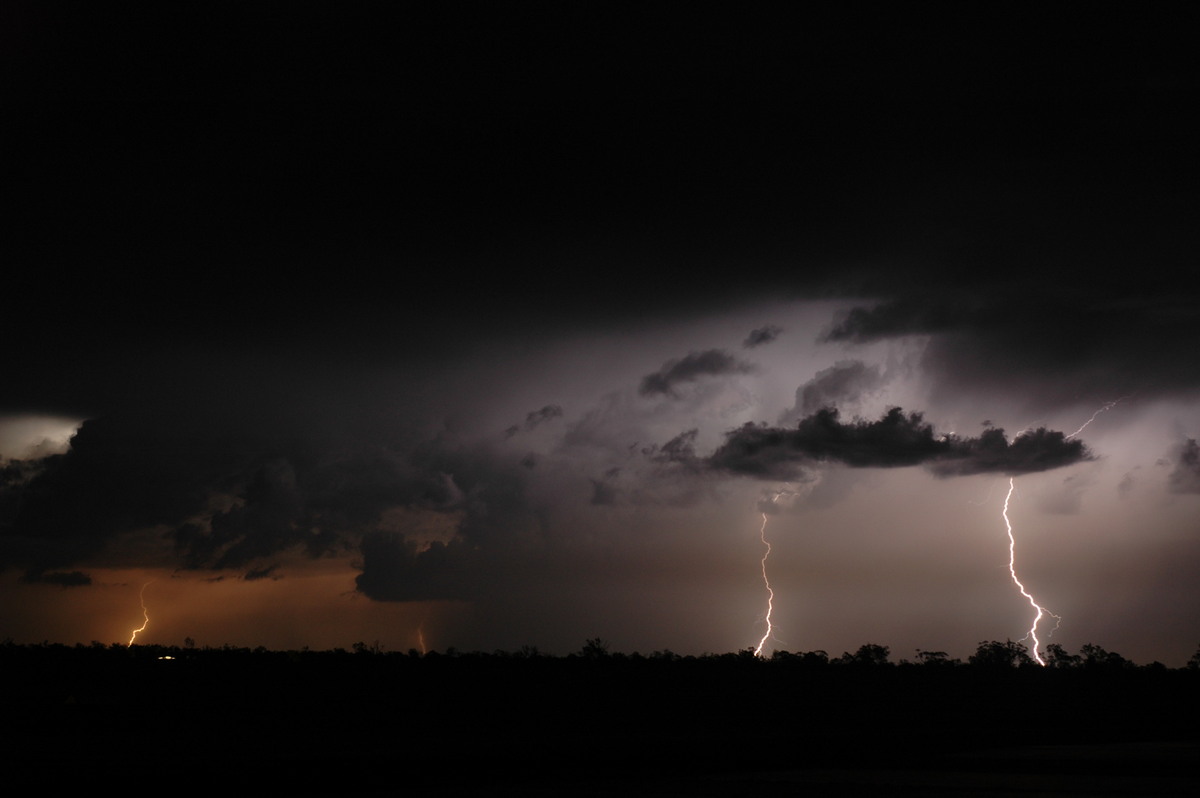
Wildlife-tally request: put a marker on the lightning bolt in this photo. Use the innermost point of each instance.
(145, 614)
(1040, 611)
(1107, 406)
(1012, 570)
(762, 535)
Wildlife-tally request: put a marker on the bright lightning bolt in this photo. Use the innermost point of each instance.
(145, 613)
(1041, 611)
(762, 534)
(1107, 406)
(1012, 569)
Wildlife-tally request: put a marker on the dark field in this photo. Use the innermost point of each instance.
(606, 724)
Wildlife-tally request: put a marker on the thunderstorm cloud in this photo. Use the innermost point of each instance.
(845, 382)
(895, 440)
(536, 418)
(709, 363)
(1060, 345)
(762, 335)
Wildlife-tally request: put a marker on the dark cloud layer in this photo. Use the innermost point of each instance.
(60, 578)
(895, 440)
(1082, 336)
(225, 495)
(709, 363)
(762, 335)
(535, 418)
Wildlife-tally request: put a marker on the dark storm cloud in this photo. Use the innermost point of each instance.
(396, 569)
(680, 450)
(991, 453)
(14, 476)
(60, 578)
(255, 574)
(709, 363)
(491, 525)
(535, 418)
(895, 440)
(1082, 336)
(762, 335)
(1185, 477)
(486, 515)
(268, 519)
(779, 453)
(238, 495)
(845, 381)
(119, 474)
(896, 318)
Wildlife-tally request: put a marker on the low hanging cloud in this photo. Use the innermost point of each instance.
(709, 363)
(762, 335)
(896, 440)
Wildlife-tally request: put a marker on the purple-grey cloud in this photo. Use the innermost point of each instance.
(709, 363)
(895, 440)
(1185, 477)
(844, 382)
(535, 418)
(762, 335)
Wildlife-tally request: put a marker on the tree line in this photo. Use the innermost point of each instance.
(989, 654)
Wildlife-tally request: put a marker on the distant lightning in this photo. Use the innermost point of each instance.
(1041, 611)
(145, 613)
(762, 534)
(1107, 406)
(1012, 569)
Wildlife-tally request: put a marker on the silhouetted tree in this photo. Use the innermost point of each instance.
(1194, 662)
(594, 648)
(1057, 657)
(1096, 657)
(935, 658)
(868, 654)
(804, 658)
(994, 654)
(363, 648)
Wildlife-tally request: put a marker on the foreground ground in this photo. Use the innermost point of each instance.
(606, 725)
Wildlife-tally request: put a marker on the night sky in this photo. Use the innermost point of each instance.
(490, 325)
